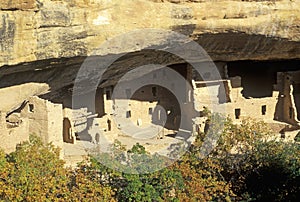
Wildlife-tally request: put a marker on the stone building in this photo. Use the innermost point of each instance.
(14, 127)
(144, 102)
(148, 107)
(43, 44)
(34, 116)
(271, 97)
(45, 119)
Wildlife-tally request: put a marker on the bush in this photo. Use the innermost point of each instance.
(34, 172)
(274, 174)
(162, 185)
(244, 166)
(258, 169)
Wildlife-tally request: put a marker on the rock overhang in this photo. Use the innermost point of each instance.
(41, 43)
(41, 30)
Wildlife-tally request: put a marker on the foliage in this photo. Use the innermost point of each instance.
(257, 168)
(143, 185)
(243, 166)
(157, 186)
(248, 164)
(136, 160)
(34, 172)
(202, 176)
(270, 173)
(241, 138)
(137, 149)
(202, 182)
(87, 185)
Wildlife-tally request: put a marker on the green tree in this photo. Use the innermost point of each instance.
(35, 173)
(256, 167)
(86, 184)
(271, 172)
(161, 185)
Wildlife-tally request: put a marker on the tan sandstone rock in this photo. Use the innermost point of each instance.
(227, 30)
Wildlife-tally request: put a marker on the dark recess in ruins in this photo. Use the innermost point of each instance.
(258, 77)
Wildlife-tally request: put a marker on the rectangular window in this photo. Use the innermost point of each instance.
(128, 114)
(31, 108)
(263, 109)
(108, 95)
(237, 113)
(154, 91)
(150, 111)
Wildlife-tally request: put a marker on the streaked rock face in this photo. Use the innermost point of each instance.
(11, 5)
(46, 41)
(228, 30)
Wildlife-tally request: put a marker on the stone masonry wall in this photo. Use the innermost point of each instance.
(11, 136)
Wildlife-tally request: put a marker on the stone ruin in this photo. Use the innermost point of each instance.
(255, 45)
(273, 99)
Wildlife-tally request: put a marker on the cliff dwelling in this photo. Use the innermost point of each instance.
(264, 90)
(255, 50)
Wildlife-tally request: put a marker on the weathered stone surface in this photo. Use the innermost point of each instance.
(15, 95)
(228, 30)
(7, 33)
(18, 4)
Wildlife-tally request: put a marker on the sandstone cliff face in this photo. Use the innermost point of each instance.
(34, 30)
(46, 41)
(43, 44)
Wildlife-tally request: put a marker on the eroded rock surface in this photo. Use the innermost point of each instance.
(33, 30)
(46, 41)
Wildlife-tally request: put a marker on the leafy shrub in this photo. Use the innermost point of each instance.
(34, 172)
(243, 166)
(258, 169)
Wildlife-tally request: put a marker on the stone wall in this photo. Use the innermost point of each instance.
(257, 108)
(280, 105)
(16, 95)
(12, 5)
(11, 136)
(36, 111)
(154, 102)
(45, 120)
(286, 108)
(145, 107)
(55, 123)
(296, 91)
